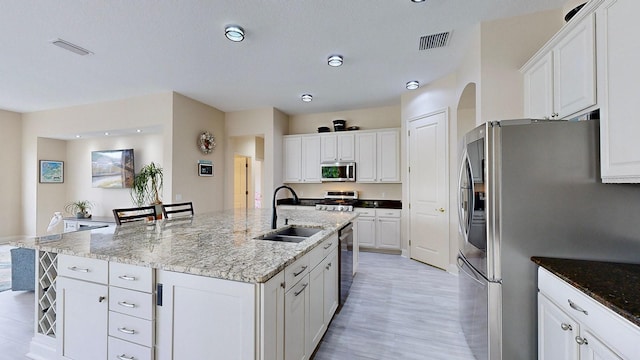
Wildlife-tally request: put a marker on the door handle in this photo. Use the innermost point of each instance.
(440, 210)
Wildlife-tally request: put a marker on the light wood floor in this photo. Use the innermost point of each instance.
(397, 309)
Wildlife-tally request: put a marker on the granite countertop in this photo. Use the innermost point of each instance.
(615, 285)
(218, 244)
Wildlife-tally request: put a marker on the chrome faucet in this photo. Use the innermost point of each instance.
(274, 216)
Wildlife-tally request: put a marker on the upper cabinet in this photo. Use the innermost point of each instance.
(337, 147)
(618, 88)
(560, 80)
(378, 156)
(301, 159)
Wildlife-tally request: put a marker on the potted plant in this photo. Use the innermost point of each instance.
(147, 185)
(80, 208)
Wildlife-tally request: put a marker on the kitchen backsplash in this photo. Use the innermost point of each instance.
(365, 191)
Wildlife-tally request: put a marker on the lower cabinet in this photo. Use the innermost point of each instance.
(378, 228)
(572, 326)
(296, 310)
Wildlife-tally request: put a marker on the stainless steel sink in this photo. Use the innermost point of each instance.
(292, 234)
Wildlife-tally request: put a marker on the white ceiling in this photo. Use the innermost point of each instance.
(150, 46)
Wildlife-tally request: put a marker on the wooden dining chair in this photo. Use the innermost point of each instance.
(134, 214)
(172, 211)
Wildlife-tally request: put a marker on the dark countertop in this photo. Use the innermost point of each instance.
(615, 285)
(378, 204)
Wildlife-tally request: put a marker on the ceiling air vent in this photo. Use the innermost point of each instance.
(434, 41)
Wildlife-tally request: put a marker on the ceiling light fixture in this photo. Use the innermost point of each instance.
(234, 33)
(306, 97)
(412, 85)
(106, 133)
(417, 1)
(78, 136)
(138, 131)
(71, 47)
(334, 60)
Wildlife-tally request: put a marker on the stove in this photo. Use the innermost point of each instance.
(338, 201)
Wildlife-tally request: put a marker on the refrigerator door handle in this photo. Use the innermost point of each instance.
(462, 224)
(461, 264)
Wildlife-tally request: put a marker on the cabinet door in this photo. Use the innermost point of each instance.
(618, 78)
(366, 157)
(346, 147)
(388, 154)
(556, 332)
(331, 300)
(201, 317)
(388, 233)
(574, 78)
(272, 318)
(538, 89)
(366, 232)
(594, 348)
(311, 159)
(82, 314)
(328, 148)
(317, 325)
(292, 146)
(295, 323)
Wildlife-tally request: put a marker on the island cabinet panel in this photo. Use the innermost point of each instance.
(205, 318)
(271, 338)
(82, 319)
(295, 320)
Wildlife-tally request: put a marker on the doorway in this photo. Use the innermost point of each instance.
(241, 176)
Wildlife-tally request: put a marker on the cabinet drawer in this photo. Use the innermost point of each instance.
(131, 277)
(329, 244)
(81, 268)
(388, 212)
(617, 332)
(316, 255)
(296, 271)
(131, 328)
(365, 211)
(130, 302)
(124, 350)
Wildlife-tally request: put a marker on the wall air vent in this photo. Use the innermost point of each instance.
(434, 41)
(71, 47)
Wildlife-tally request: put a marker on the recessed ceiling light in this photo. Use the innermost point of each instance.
(106, 133)
(234, 33)
(78, 136)
(306, 97)
(71, 47)
(417, 1)
(334, 60)
(138, 131)
(412, 85)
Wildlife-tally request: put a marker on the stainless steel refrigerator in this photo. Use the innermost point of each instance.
(532, 188)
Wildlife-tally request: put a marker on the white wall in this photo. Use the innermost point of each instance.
(10, 149)
(190, 119)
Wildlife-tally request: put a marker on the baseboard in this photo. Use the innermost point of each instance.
(381, 251)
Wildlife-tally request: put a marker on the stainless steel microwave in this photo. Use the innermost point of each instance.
(338, 171)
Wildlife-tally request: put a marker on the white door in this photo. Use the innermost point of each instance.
(240, 182)
(428, 190)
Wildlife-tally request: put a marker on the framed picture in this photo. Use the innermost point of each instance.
(51, 171)
(205, 169)
(112, 169)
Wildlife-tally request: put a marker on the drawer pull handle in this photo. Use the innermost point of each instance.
(75, 268)
(581, 341)
(128, 278)
(126, 331)
(301, 271)
(576, 307)
(126, 304)
(328, 246)
(566, 327)
(125, 357)
(301, 290)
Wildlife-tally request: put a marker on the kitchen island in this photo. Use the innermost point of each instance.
(201, 287)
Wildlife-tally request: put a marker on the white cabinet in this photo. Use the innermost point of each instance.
(82, 308)
(82, 317)
(618, 79)
(337, 147)
(560, 80)
(272, 318)
(331, 286)
(378, 228)
(378, 156)
(572, 325)
(200, 317)
(301, 158)
(296, 309)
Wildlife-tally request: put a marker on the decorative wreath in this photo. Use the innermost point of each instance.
(207, 142)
